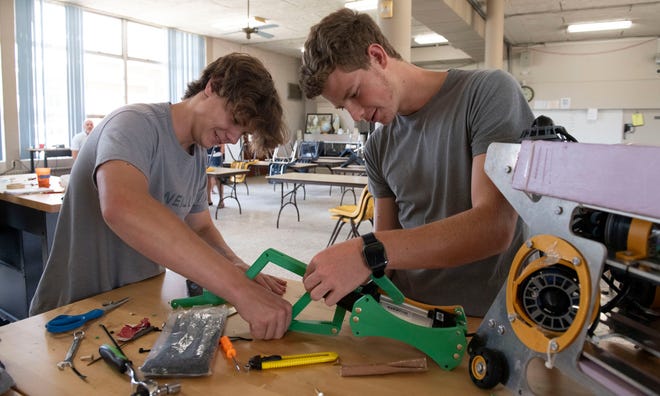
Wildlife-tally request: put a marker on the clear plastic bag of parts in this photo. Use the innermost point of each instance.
(188, 343)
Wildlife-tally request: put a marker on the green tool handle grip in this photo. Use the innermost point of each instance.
(114, 358)
(206, 298)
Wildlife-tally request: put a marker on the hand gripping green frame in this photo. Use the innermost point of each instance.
(445, 345)
(291, 264)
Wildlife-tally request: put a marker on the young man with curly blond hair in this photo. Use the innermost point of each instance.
(136, 201)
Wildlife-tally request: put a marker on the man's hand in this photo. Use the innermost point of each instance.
(268, 314)
(336, 271)
(272, 283)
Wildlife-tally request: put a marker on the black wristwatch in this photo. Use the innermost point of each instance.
(374, 254)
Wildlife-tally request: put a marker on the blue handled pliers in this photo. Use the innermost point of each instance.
(62, 323)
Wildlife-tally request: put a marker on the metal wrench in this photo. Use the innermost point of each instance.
(68, 359)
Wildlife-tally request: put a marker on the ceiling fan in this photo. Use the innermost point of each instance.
(248, 30)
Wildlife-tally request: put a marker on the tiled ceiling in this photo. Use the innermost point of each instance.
(526, 21)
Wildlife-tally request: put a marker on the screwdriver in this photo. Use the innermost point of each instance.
(229, 350)
(114, 358)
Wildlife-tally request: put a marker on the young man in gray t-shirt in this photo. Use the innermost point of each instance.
(136, 199)
(443, 231)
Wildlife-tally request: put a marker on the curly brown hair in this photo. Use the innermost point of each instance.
(341, 40)
(251, 96)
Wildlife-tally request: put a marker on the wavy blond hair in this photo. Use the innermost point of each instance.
(341, 40)
(251, 96)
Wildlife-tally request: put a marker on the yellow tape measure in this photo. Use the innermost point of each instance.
(259, 362)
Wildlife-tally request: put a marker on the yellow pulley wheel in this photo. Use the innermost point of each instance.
(488, 368)
(548, 293)
(478, 367)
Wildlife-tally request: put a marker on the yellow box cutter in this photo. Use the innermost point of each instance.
(260, 362)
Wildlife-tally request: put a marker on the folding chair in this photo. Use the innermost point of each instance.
(352, 214)
(240, 179)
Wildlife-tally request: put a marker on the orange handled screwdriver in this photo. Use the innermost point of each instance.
(229, 350)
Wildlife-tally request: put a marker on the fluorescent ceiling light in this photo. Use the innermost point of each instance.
(597, 26)
(362, 5)
(431, 38)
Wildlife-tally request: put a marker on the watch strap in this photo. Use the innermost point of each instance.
(374, 254)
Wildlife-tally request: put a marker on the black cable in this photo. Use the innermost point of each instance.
(610, 305)
(112, 339)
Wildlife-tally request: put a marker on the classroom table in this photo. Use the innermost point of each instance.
(48, 151)
(301, 179)
(27, 228)
(330, 162)
(295, 166)
(349, 169)
(30, 354)
(358, 170)
(220, 173)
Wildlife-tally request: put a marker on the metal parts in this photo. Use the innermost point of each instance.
(580, 292)
(140, 387)
(147, 387)
(71, 353)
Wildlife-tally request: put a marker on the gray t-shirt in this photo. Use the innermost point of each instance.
(424, 161)
(87, 257)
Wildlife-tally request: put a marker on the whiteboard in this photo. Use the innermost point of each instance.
(601, 126)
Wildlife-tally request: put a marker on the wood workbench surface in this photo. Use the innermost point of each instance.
(31, 354)
(49, 202)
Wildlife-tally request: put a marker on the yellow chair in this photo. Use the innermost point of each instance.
(238, 179)
(353, 215)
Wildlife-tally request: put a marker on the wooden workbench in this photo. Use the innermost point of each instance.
(31, 354)
(27, 227)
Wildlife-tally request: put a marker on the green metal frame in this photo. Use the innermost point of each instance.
(445, 345)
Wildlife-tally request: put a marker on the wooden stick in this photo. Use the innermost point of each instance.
(401, 366)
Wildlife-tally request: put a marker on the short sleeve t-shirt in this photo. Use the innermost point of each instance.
(87, 257)
(424, 161)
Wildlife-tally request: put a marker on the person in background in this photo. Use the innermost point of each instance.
(80, 138)
(443, 232)
(136, 203)
(216, 157)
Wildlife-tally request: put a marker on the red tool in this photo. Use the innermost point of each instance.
(229, 350)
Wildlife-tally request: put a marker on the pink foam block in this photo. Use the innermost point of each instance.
(617, 177)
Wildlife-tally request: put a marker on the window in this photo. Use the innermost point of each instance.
(77, 64)
(104, 83)
(115, 75)
(51, 89)
(102, 33)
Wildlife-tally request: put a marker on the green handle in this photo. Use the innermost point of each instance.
(389, 288)
(206, 298)
(279, 258)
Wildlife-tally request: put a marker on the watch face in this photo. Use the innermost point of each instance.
(528, 92)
